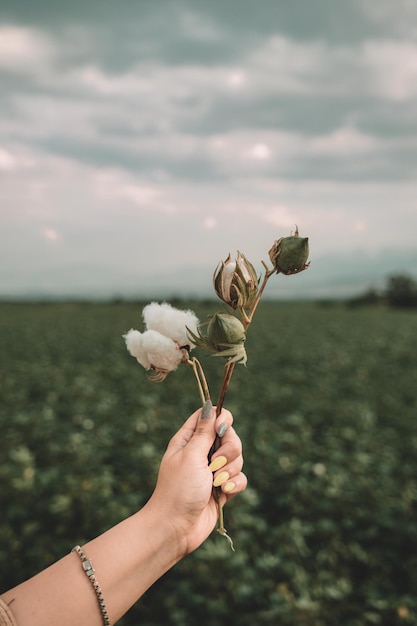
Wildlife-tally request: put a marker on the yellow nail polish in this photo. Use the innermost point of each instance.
(220, 479)
(229, 487)
(218, 462)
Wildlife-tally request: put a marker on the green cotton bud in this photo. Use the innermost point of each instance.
(224, 329)
(225, 337)
(289, 254)
(236, 282)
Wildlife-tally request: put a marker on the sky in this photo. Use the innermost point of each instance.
(141, 141)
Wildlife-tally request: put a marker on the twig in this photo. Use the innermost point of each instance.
(226, 381)
(268, 274)
(200, 378)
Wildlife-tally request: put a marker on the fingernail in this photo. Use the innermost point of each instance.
(207, 410)
(221, 478)
(217, 463)
(221, 431)
(229, 486)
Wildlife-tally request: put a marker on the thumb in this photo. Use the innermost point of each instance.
(205, 424)
(207, 411)
(200, 423)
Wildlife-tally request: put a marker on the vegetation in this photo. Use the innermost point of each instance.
(326, 532)
(400, 292)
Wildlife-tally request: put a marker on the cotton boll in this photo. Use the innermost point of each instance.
(135, 345)
(162, 352)
(170, 321)
(159, 317)
(153, 315)
(188, 320)
(134, 341)
(176, 324)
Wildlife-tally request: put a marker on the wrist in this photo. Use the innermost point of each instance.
(166, 534)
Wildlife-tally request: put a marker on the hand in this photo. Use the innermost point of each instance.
(184, 490)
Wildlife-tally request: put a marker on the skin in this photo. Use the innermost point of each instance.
(131, 556)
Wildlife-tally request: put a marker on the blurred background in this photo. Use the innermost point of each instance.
(140, 143)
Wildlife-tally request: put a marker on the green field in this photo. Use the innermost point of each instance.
(326, 533)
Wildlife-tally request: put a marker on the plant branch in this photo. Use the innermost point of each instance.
(226, 381)
(200, 379)
(268, 274)
(228, 373)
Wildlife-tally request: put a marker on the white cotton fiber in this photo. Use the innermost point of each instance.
(161, 351)
(134, 344)
(170, 321)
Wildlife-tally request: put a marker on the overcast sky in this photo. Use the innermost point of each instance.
(141, 141)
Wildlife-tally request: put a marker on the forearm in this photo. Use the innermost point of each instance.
(127, 560)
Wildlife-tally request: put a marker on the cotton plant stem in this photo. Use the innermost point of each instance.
(226, 381)
(221, 529)
(247, 319)
(217, 490)
(205, 395)
(200, 379)
(203, 379)
(268, 273)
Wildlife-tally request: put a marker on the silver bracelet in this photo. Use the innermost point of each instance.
(89, 570)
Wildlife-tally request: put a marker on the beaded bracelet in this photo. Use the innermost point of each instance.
(89, 570)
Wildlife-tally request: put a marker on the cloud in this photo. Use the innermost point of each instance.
(146, 138)
(179, 116)
(23, 49)
(392, 67)
(51, 234)
(344, 141)
(7, 160)
(387, 18)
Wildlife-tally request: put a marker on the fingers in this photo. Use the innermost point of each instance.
(201, 420)
(207, 426)
(223, 423)
(199, 432)
(236, 484)
(226, 464)
(227, 461)
(187, 430)
(230, 445)
(207, 410)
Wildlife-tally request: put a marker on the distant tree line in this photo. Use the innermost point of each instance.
(400, 292)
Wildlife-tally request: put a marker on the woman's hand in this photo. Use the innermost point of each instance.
(184, 490)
